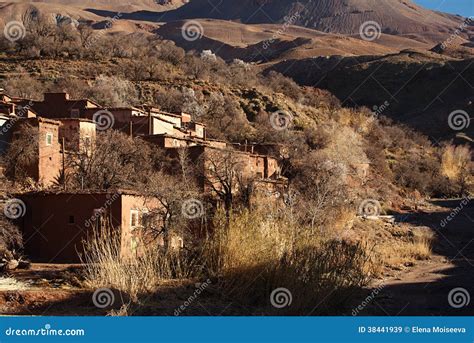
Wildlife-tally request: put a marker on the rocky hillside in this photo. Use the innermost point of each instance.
(417, 88)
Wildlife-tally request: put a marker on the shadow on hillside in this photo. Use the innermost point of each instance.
(418, 92)
(48, 302)
(181, 13)
(141, 15)
(425, 292)
(197, 9)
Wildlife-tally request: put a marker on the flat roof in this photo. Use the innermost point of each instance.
(43, 120)
(132, 108)
(75, 119)
(81, 192)
(69, 100)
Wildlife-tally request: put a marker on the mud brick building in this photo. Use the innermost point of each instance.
(150, 121)
(64, 121)
(60, 105)
(46, 167)
(16, 107)
(56, 224)
(136, 121)
(49, 137)
(78, 134)
(206, 158)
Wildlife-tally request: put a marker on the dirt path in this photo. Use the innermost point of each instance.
(425, 289)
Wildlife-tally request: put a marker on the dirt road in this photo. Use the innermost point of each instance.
(443, 285)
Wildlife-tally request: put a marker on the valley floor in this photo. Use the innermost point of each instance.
(421, 288)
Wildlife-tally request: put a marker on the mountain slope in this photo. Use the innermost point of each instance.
(399, 17)
(420, 89)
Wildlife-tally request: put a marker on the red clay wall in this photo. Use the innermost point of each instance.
(75, 131)
(55, 225)
(50, 158)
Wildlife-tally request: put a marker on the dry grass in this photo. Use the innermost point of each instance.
(455, 161)
(420, 245)
(134, 275)
(255, 254)
(410, 246)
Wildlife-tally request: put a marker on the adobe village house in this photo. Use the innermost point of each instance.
(56, 223)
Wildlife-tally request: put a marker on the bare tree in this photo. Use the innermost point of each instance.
(86, 35)
(114, 160)
(319, 188)
(172, 192)
(224, 173)
(21, 154)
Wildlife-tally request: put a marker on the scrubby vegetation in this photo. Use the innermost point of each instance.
(334, 158)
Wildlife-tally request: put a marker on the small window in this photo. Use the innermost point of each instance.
(49, 139)
(134, 219)
(74, 113)
(71, 220)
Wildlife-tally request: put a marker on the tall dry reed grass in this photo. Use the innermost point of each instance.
(254, 254)
(248, 256)
(132, 274)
